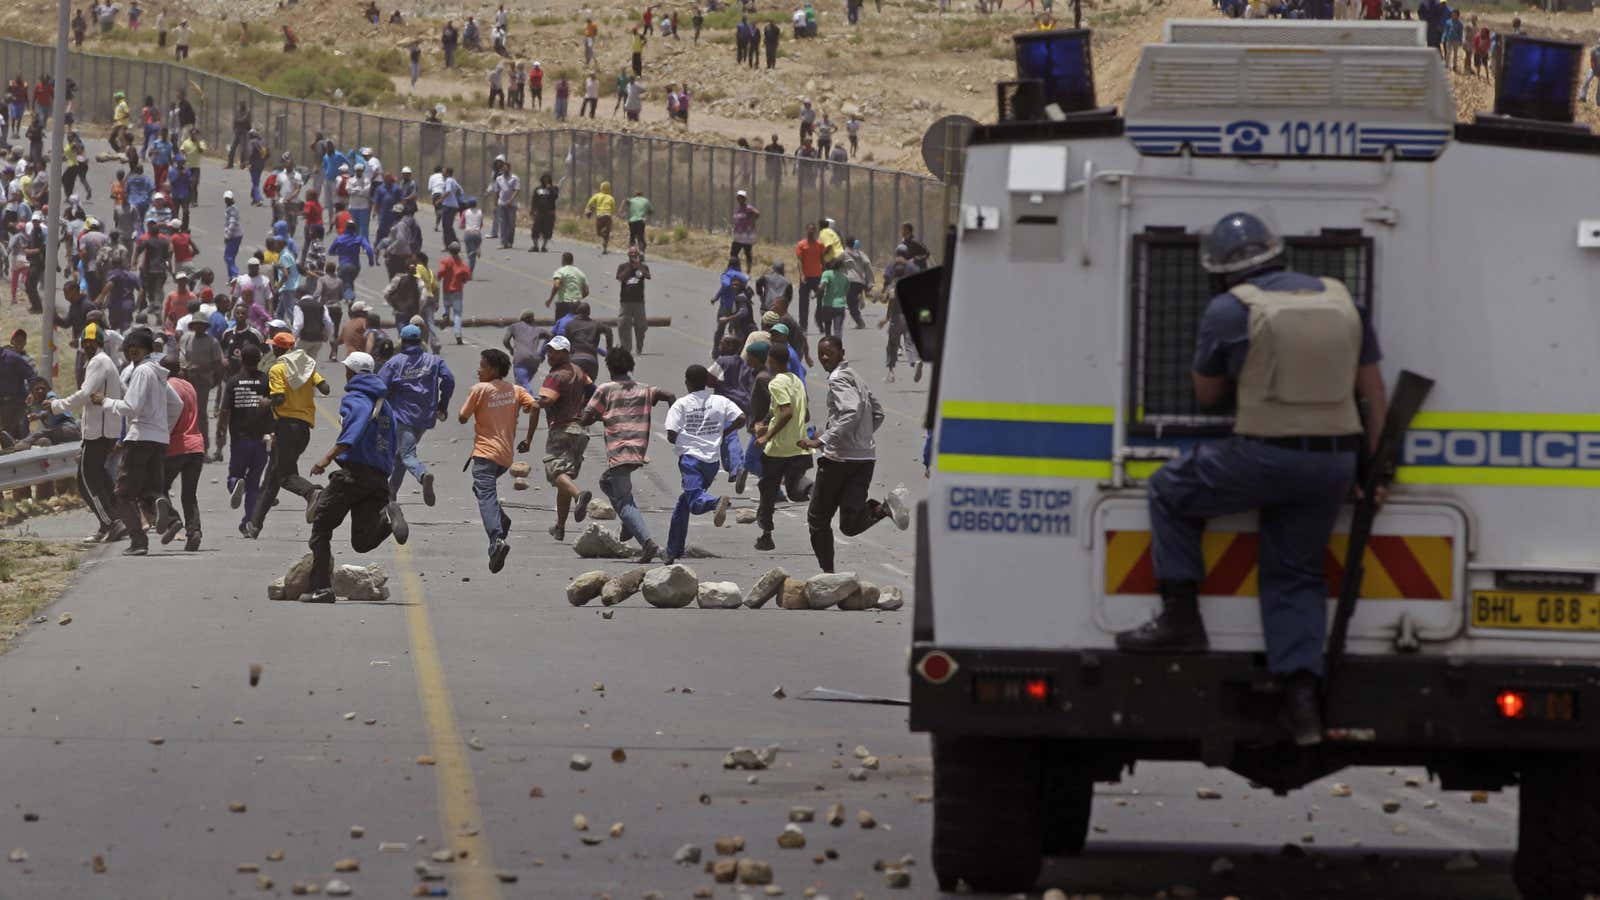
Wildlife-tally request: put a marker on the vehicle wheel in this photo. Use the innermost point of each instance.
(1558, 829)
(986, 823)
(1066, 794)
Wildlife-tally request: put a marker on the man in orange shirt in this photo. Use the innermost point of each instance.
(809, 252)
(454, 273)
(176, 305)
(494, 405)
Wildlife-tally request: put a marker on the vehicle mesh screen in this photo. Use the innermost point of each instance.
(1170, 291)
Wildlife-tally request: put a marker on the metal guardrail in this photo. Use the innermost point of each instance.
(29, 467)
(688, 184)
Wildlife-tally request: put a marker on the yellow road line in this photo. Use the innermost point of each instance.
(460, 817)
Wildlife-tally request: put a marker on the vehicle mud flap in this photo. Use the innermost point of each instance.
(987, 830)
(1066, 794)
(1558, 828)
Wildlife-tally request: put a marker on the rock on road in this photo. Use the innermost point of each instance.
(434, 734)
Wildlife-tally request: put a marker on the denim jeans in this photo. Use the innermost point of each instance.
(1298, 494)
(247, 462)
(230, 254)
(506, 217)
(485, 486)
(732, 454)
(348, 275)
(694, 501)
(363, 219)
(524, 375)
(472, 243)
(405, 456)
(453, 305)
(617, 484)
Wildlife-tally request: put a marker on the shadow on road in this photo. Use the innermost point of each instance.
(1128, 870)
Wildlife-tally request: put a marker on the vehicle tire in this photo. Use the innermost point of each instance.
(986, 824)
(1066, 794)
(1558, 829)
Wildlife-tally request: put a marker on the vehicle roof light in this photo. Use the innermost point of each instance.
(1538, 79)
(1060, 60)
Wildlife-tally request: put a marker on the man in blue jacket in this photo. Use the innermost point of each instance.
(420, 385)
(360, 489)
(347, 249)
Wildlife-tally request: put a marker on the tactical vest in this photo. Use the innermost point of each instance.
(311, 329)
(1299, 374)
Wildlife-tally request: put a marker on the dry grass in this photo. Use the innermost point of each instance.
(33, 573)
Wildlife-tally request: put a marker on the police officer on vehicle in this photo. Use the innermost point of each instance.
(1297, 353)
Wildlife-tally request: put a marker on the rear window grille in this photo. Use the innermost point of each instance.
(1170, 291)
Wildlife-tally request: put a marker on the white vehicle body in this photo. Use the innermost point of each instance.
(1068, 337)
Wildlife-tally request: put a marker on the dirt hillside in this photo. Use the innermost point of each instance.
(899, 69)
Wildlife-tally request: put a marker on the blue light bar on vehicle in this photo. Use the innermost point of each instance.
(1538, 79)
(1060, 60)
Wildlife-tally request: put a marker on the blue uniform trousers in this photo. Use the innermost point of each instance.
(1298, 494)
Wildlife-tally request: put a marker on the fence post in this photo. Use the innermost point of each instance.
(650, 173)
(872, 212)
(673, 209)
(897, 219)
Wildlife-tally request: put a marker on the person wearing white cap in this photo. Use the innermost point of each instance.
(364, 451)
(562, 397)
(745, 217)
(232, 234)
(374, 165)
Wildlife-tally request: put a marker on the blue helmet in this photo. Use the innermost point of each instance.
(1239, 242)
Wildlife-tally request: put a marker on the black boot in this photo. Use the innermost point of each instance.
(1302, 708)
(1176, 629)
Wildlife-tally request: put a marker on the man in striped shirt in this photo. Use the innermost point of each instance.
(623, 406)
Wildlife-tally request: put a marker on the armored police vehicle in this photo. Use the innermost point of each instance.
(1475, 247)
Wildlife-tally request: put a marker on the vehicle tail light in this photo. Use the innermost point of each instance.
(1013, 688)
(1512, 704)
(936, 667)
(1526, 704)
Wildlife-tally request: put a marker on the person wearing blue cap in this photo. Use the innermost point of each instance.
(420, 386)
(364, 452)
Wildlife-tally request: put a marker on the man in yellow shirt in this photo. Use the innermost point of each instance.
(428, 286)
(120, 117)
(832, 246)
(778, 438)
(290, 383)
(601, 206)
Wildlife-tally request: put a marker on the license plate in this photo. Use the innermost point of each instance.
(1535, 610)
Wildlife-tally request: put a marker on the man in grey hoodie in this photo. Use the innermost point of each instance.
(844, 470)
(150, 406)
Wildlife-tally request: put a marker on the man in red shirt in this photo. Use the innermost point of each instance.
(312, 211)
(177, 304)
(183, 246)
(341, 217)
(536, 86)
(454, 273)
(809, 252)
(186, 454)
(1371, 9)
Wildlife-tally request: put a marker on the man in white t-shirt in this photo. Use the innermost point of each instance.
(696, 425)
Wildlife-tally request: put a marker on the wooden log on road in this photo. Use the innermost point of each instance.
(507, 321)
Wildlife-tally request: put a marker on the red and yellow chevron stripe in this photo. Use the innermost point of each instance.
(1398, 567)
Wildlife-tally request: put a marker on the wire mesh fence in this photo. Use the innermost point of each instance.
(688, 184)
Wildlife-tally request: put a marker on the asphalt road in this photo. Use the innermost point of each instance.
(130, 731)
